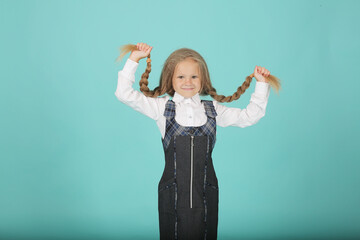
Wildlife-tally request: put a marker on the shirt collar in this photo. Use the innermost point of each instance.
(194, 99)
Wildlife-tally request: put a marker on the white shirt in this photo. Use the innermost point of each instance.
(189, 111)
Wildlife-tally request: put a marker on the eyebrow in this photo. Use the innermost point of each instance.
(184, 74)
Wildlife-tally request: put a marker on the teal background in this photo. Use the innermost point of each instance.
(76, 163)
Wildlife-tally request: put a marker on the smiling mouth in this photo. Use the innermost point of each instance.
(188, 88)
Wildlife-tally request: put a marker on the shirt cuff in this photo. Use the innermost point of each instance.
(262, 88)
(130, 68)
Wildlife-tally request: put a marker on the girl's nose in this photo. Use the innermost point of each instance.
(188, 80)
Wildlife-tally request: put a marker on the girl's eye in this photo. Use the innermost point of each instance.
(182, 76)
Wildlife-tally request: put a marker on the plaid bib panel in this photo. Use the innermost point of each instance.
(173, 128)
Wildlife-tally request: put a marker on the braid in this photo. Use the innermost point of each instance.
(144, 82)
(273, 81)
(235, 96)
(165, 87)
(144, 77)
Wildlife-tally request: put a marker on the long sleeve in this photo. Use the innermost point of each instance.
(125, 93)
(248, 116)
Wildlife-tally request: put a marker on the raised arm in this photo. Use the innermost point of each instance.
(125, 93)
(248, 116)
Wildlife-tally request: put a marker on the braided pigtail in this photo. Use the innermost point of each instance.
(165, 83)
(144, 82)
(124, 49)
(272, 80)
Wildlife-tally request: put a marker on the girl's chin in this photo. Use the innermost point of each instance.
(188, 95)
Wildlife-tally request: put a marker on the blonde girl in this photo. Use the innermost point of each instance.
(188, 192)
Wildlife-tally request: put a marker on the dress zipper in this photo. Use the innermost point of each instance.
(191, 177)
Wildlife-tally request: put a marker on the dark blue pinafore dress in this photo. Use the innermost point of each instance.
(188, 193)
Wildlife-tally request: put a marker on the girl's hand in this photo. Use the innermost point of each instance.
(260, 73)
(142, 52)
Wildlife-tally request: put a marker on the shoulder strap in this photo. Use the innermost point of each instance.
(169, 109)
(209, 108)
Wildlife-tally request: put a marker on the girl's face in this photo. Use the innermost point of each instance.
(186, 80)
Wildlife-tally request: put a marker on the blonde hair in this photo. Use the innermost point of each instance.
(165, 83)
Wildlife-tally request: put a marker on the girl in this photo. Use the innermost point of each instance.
(188, 192)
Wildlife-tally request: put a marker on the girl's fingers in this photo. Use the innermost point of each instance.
(262, 70)
(143, 47)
